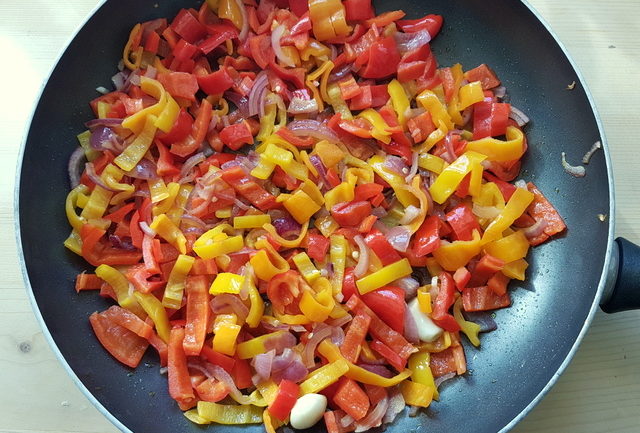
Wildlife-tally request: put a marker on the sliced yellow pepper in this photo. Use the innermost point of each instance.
(327, 225)
(226, 282)
(167, 230)
(450, 178)
(399, 100)
(255, 346)
(384, 276)
(416, 190)
(306, 267)
(339, 105)
(500, 150)
(157, 189)
(340, 194)
(257, 307)
(394, 179)
(225, 336)
(301, 206)
(214, 243)
(419, 364)
(324, 376)
(135, 151)
(424, 299)
(174, 291)
(251, 221)
(70, 206)
(431, 162)
(267, 263)
(120, 286)
(452, 108)
(338, 256)
(433, 138)
(317, 307)
(228, 413)
(453, 255)
(470, 94)
(516, 269)
(329, 153)
(470, 329)
(177, 210)
(156, 311)
(380, 129)
(228, 9)
(517, 204)
(166, 204)
(285, 242)
(416, 394)
(430, 102)
(510, 248)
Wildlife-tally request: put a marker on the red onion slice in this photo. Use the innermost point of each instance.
(241, 103)
(380, 370)
(91, 173)
(320, 332)
(410, 41)
(410, 213)
(312, 128)
(439, 380)
(286, 226)
(220, 374)
(536, 229)
(190, 163)
(288, 366)
(145, 169)
(281, 342)
(396, 405)
(374, 418)
(363, 260)
(109, 122)
(228, 303)
(341, 321)
(414, 167)
(399, 237)
(409, 285)
(302, 106)
(257, 94)
(517, 115)
(146, 229)
(263, 363)
(396, 164)
(74, 166)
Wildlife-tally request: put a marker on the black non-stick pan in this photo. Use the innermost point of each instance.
(536, 337)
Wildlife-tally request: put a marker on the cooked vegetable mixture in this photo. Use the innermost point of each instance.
(300, 210)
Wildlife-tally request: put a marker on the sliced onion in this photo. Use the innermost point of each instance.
(119, 80)
(319, 166)
(573, 170)
(346, 421)
(74, 166)
(374, 418)
(380, 370)
(103, 138)
(286, 226)
(145, 169)
(381, 227)
(363, 259)
(319, 333)
(123, 244)
(399, 237)
(410, 327)
(517, 115)
(410, 41)
(151, 72)
(500, 92)
(396, 405)
(190, 163)
(337, 336)
(146, 229)
(288, 366)
(340, 73)
(409, 285)
(228, 303)
(485, 211)
(341, 321)
(244, 31)
(312, 128)
(257, 94)
(587, 156)
(91, 173)
(220, 374)
(444, 378)
(262, 364)
(410, 213)
(450, 154)
(241, 102)
(277, 33)
(280, 342)
(396, 164)
(414, 167)
(482, 318)
(108, 122)
(536, 229)
(300, 105)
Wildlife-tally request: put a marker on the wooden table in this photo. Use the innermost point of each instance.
(599, 392)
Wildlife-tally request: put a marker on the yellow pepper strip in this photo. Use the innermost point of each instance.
(270, 423)
(424, 299)
(452, 108)
(192, 415)
(292, 319)
(306, 267)
(332, 353)
(120, 286)
(154, 308)
(268, 389)
(276, 155)
(284, 242)
(267, 122)
(421, 371)
(315, 49)
(176, 211)
(256, 310)
(267, 263)
(431, 162)
(166, 204)
(226, 282)
(338, 311)
(384, 276)
(447, 182)
(70, 206)
(434, 137)
(470, 329)
(342, 193)
(324, 376)
(312, 79)
(327, 225)
(255, 346)
(517, 204)
(475, 183)
(224, 212)
(213, 244)
(99, 199)
(264, 168)
(509, 248)
(452, 255)
(158, 190)
(74, 242)
(416, 189)
(251, 221)
(396, 181)
(127, 50)
(490, 195)
(470, 94)
(227, 413)
(500, 150)
(320, 12)
(312, 190)
(301, 206)
(329, 153)
(225, 335)
(167, 230)
(516, 269)
(442, 343)
(399, 100)
(339, 105)
(228, 9)
(338, 256)
(174, 291)
(137, 121)
(103, 109)
(317, 307)
(84, 139)
(416, 394)
(430, 102)
(134, 152)
(380, 129)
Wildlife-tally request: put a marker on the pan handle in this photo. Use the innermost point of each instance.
(625, 294)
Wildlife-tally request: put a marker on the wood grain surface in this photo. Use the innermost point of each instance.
(599, 392)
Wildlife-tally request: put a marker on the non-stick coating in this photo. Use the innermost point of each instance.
(534, 336)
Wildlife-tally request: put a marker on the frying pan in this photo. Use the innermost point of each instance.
(536, 337)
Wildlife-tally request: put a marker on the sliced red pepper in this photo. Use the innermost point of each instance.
(349, 288)
(198, 132)
(292, 75)
(388, 354)
(542, 209)
(443, 302)
(212, 390)
(485, 75)
(427, 238)
(486, 267)
(381, 247)
(179, 131)
(355, 335)
(217, 358)
(161, 347)
(420, 127)
(349, 88)
(385, 18)
(498, 283)
(237, 135)
(165, 165)
(284, 290)
(351, 213)
(299, 7)
(197, 291)
(188, 26)
(490, 119)
(179, 381)
(358, 10)
(241, 373)
(461, 277)
(286, 397)
(351, 398)
(97, 254)
(120, 214)
(317, 246)
(388, 303)
(216, 82)
(300, 142)
(507, 189)
(135, 230)
(248, 188)
(86, 281)
(483, 299)
(431, 23)
(463, 222)
(179, 84)
(442, 363)
(128, 320)
(261, 50)
(362, 100)
(384, 58)
(121, 343)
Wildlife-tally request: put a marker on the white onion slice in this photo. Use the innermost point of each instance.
(277, 33)
(573, 170)
(517, 115)
(363, 259)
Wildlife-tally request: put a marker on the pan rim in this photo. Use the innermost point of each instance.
(606, 277)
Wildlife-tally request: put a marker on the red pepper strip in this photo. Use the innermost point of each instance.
(286, 397)
(490, 119)
(136, 232)
(317, 246)
(388, 354)
(179, 380)
(420, 127)
(485, 75)
(398, 137)
(485, 269)
(98, 164)
(427, 238)
(448, 83)
(507, 189)
(385, 18)
(498, 283)
(198, 132)
(219, 33)
(431, 23)
(237, 135)
(97, 254)
(119, 215)
(358, 127)
(292, 75)
(388, 303)
(358, 10)
(463, 222)
(212, 390)
(128, 320)
(152, 43)
(300, 7)
(248, 188)
(442, 363)
(178, 132)
(87, 282)
(355, 335)
(443, 302)
(116, 107)
(541, 209)
(217, 358)
(284, 290)
(161, 347)
(351, 398)
(197, 290)
(139, 276)
(362, 100)
(183, 51)
(461, 277)
(349, 288)
(381, 247)
(367, 224)
(261, 50)
(303, 25)
(367, 191)
(351, 213)
(383, 332)
(483, 299)
(349, 88)
(241, 373)
(294, 139)
(179, 84)
(333, 178)
(384, 58)
(216, 82)
(121, 343)
(188, 26)
(204, 267)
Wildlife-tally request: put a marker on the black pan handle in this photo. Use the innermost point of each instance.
(626, 291)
